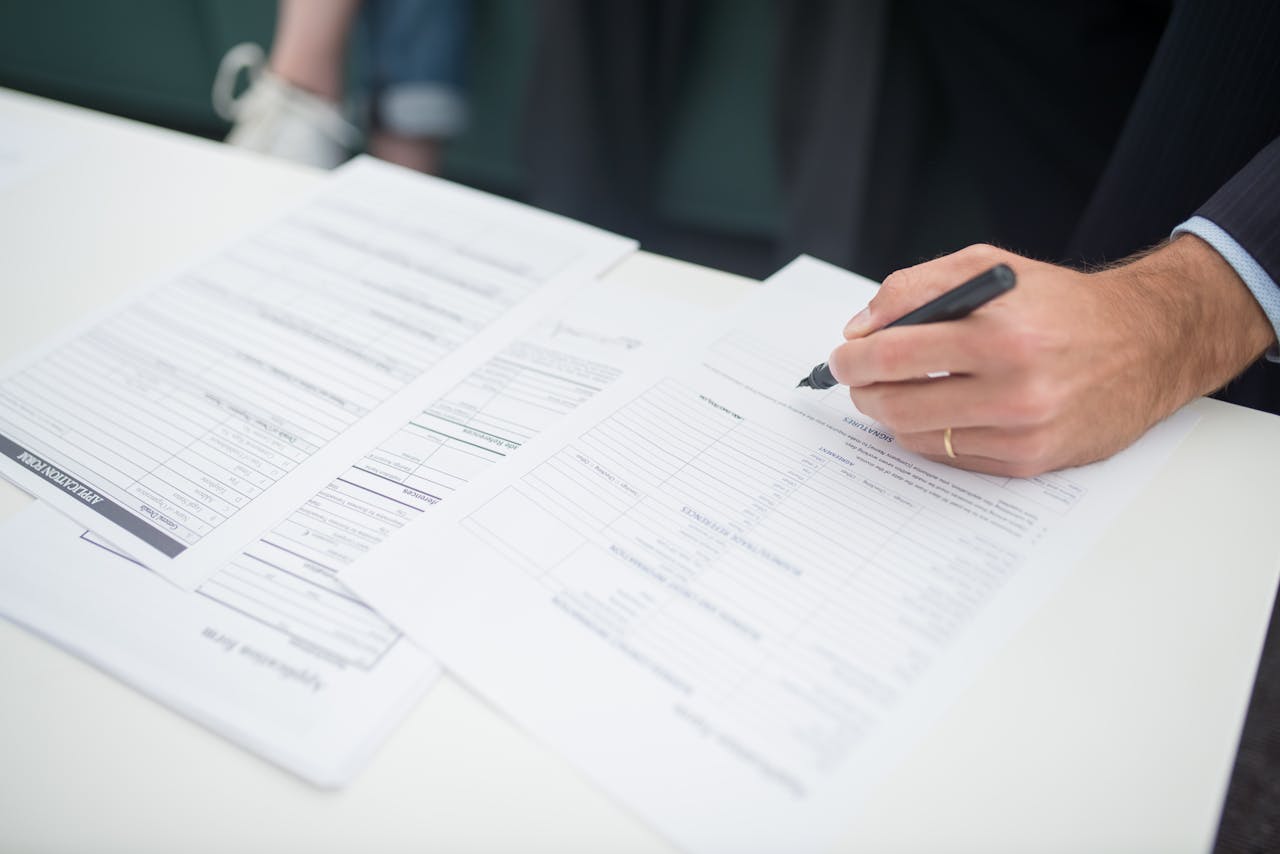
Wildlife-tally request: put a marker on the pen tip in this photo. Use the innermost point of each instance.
(804, 383)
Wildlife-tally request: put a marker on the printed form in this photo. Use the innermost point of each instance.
(182, 421)
(273, 651)
(732, 603)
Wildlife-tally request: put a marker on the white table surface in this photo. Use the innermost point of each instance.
(1109, 723)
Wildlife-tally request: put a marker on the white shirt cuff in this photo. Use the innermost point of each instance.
(1255, 278)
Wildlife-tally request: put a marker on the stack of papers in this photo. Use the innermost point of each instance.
(657, 554)
(441, 326)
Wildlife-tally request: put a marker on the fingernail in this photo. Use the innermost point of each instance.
(859, 324)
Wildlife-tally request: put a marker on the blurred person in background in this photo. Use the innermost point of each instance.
(1077, 132)
(414, 52)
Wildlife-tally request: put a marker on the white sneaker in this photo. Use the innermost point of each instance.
(275, 117)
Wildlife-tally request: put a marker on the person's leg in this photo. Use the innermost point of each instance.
(417, 152)
(292, 107)
(416, 52)
(310, 45)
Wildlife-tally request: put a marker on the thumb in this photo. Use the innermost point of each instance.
(911, 287)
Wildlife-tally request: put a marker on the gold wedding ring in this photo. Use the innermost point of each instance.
(946, 443)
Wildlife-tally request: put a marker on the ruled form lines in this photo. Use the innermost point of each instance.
(720, 515)
(192, 403)
(289, 580)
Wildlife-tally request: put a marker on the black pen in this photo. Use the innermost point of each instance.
(952, 305)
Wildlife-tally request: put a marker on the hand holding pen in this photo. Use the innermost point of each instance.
(1065, 369)
(952, 305)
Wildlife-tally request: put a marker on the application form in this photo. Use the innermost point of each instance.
(734, 603)
(184, 420)
(273, 651)
(313, 681)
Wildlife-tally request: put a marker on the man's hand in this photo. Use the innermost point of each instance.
(1065, 369)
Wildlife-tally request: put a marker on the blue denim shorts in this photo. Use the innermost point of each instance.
(415, 64)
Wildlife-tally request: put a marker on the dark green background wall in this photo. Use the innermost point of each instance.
(154, 60)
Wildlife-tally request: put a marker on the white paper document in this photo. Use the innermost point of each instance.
(733, 603)
(310, 679)
(28, 148)
(186, 419)
(273, 651)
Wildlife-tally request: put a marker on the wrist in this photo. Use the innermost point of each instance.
(1196, 321)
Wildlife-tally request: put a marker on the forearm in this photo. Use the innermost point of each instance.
(1197, 322)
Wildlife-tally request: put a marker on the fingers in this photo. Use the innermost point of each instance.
(992, 450)
(1016, 377)
(910, 353)
(927, 405)
(1007, 401)
(983, 465)
(912, 287)
(1057, 373)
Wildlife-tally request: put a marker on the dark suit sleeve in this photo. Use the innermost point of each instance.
(1248, 208)
(1208, 104)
